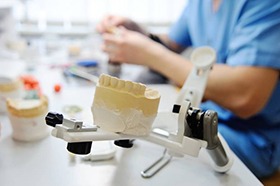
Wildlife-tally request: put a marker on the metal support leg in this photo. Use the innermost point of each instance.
(159, 164)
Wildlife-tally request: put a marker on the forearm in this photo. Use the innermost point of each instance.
(168, 63)
(243, 90)
(165, 41)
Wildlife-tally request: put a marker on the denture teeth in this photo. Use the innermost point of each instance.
(142, 89)
(128, 86)
(135, 88)
(120, 84)
(101, 80)
(139, 89)
(106, 80)
(113, 82)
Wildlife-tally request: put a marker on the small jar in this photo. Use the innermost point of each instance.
(9, 89)
(27, 117)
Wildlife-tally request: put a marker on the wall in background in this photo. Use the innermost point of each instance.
(146, 11)
(78, 17)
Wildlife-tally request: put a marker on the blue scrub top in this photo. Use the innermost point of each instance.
(244, 33)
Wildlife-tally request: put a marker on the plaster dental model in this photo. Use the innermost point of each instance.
(124, 106)
(27, 118)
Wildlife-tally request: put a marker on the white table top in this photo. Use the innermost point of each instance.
(47, 162)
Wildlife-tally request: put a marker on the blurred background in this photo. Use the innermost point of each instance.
(62, 32)
(46, 25)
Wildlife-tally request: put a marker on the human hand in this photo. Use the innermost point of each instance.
(111, 21)
(128, 47)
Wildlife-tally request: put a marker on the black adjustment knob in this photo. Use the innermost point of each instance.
(53, 118)
(196, 124)
(124, 143)
(176, 108)
(81, 148)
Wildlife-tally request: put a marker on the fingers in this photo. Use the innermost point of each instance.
(109, 22)
(104, 24)
(111, 46)
(112, 51)
(115, 43)
(100, 28)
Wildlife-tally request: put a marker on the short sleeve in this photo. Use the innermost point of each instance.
(179, 32)
(256, 38)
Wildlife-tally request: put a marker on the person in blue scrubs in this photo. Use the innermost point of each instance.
(244, 85)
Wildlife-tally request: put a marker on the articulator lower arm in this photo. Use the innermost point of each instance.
(200, 131)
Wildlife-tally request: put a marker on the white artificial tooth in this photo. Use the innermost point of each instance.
(120, 84)
(113, 82)
(128, 86)
(107, 80)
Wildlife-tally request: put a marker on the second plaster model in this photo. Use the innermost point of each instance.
(27, 118)
(124, 106)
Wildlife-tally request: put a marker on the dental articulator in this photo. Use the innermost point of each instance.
(125, 110)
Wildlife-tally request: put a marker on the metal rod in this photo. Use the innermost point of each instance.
(147, 174)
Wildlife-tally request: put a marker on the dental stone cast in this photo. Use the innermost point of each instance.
(27, 118)
(124, 106)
